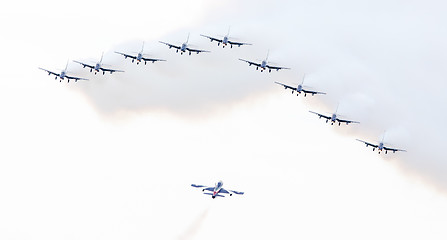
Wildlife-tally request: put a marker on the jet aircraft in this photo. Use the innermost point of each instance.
(263, 65)
(216, 190)
(184, 47)
(139, 57)
(380, 147)
(63, 74)
(225, 40)
(333, 118)
(98, 67)
(299, 89)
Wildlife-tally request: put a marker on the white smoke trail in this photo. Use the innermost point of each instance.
(195, 226)
(382, 61)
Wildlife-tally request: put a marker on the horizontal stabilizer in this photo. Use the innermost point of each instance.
(198, 186)
(207, 193)
(238, 192)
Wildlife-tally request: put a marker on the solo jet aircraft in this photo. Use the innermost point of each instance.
(225, 41)
(184, 47)
(63, 75)
(299, 89)
(140, 57)
(263, 65)
(216, 190)
(380, 147)
(98, 67)
(334, 118)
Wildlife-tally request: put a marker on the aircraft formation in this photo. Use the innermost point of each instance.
(264, 65)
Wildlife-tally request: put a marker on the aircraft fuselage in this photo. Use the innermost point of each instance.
(380, 147)
(225, 40)
(334, 117)
(217, 189)
(263, 64)
(183, 48)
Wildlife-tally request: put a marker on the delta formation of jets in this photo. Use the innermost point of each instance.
(264, 65)
(217, 190)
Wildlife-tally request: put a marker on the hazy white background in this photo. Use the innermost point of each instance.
(113, 158)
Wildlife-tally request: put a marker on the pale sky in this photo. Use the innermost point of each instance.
(114, 157)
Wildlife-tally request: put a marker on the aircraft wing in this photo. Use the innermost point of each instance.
(211, 38)
(50, 72)
(222, 190)
(250, 63)
(346, 121)
(321, 115)
(126, 55)
(170, 45)
(394, 149)
(211, 189)
(276, 68)
(84, 64)
(153, 59)
(312, 92)
(230, 191)
(238, 43)
(196, 50)
(75, 78)
(367, 143)
(285, 86)
(110, 70)
(236, 192)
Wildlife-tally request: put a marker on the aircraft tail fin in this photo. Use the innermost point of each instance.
(267, 57)
(304, 76)
(66, 66)
(228, 33)
(187, 39)
(383, 136)
(102, 55)
(142, 47)
(336, 110)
